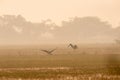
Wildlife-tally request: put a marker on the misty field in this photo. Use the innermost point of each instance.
(85, 63)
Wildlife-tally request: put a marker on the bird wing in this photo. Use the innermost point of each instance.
(69, 45)
(52, 50)
(76, 46)
(48, 52)
(45, 51)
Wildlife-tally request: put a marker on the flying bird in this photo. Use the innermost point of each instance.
(73, 46)
(49, 51)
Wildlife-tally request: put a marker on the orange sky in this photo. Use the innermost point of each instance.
(57, 10)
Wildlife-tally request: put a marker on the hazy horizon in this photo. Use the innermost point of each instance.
(63, 21)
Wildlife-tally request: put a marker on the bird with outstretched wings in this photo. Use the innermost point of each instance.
(49, 51)
(73, 46)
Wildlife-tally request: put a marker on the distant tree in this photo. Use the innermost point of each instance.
(84, 29)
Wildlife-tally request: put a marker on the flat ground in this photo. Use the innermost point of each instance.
(88, 62)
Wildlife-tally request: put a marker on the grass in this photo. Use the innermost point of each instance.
(34, 64)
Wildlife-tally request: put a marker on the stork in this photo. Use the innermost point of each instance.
(49, 51)
(73, 46)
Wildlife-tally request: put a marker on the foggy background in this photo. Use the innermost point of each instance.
(15, 29)
(64, 21)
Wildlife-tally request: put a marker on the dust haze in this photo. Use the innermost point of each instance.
(15, 29)
(59, 40)
(56, 22)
